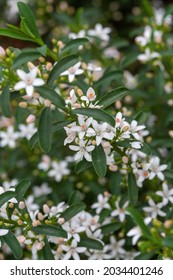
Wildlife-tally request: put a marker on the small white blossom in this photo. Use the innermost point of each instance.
(120, 211)
(73, 71)
(27, 131)
(156, 169)
(166, 194)
(83, 149)
(58, 170)
(148, 55)
(9, 137)
(73, 250)
(101, 204)
(154, 209)
(100, 32)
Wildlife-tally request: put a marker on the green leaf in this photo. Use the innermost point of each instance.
(145, 256)
(107, 78)
(99, 161)
(50, 230)
(75, 44)
(141, 117)
(6, 196)
(21, 188)
(73, 210)
(145, 149)
(110, 228)
(14, 245)
(27, 14)
(138, 219)
(96, 114)
(113, 96)
(5, 102)
(47, 253)
(132, 189)
(74, 198)
(33, 140)
(25, 56)
(168, 241)
(90, 243)
(128, 60)
(49, 93)
(61, 66)
(82, 165)
(45, 129)
(14, 34)
(60, 125)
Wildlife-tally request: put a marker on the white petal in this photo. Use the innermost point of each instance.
(29, 90)
(3, 232)
(71, 77)
(22, 75)
(38, 82)
(20, 85)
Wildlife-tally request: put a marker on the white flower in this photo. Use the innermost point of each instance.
(59, 169)
(80, 34)
(73, 71)
(156, 169)
(101, 204)
(91, 94)
(135, 128)
(71, 134)
(45, 163)
(148, 55)
(27, 131)
(83, 126)
(13, 200)
(136, 144)
(73, 250)
(166, 194)
(73, 229)
(136, 232)
(44, 189)
(112, 52)
(154, 209)
(100, 32)
(28, 81)
(2, 233)
(120, 211)
(130, 80)
(141, 174)
(100, 131)
(98, 254)
(72, 98)
(9, 137)
(116, 249)
(83, 149)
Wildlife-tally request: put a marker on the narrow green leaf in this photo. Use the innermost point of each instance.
(90, 243)
(107, 78)
(145, 256)
(14, 245)
(61, 66)
(73, 210)
(138, 219)
(25, 29)
(47, 253)
(59, 125)
(168, 241)
(110, 228)
(25, 56)
(5, 102)
(75, 44)
(50, 230)
(45, 130)
(141, 117)
(6, 196)
(113, 96)
(128, 60)
(82, 165)
(96, 114)
(27, 14)
(74, 198)
(21, 188)
(99, 161)
(49, 93)
(132, 189)
(33, 140)
(14, 34)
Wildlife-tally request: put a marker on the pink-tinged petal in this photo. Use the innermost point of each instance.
(38, 82)
(71, 77)
(20, 85)
(29, 90)
(22, 75)
(33, 73)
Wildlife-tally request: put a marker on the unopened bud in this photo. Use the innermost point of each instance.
(84, 66)
(30, 65)
(41, 59)
(40, 216)
(20, 223)
(46, 209)
(23, 104)
(47, 103)
(48, 66)
(125, 159)
(60, 240)
(168, 224)
(79, 92)
(30, 119)
(113, 167)
(22, 205)
(11, 205)
(118, 104)
(21, 238)
(61, 221)
(2, 53)
(77, 105)
(60, 45)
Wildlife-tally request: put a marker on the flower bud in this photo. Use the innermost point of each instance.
(21, 238)
(61, 221)
(46, 209)
(30, 118)
(113, 167)
(2, 53)
(23, 104)
(22, 205)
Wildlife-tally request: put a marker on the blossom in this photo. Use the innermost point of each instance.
(83, 126)
(135, 128)
(156, 169)
(116, 250)
(73, 71)
(166, 194)
(27, 131)
(102, 203)
(72, 98)
(28, 81)
(73, 229)
(148, 55)
(100, 32)
(83, 149)
(9, 137)
(120, 211)
(59, 169)
(2, 53)
(72, 250)
(154, 209)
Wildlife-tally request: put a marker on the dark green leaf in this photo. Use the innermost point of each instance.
(132, 189)
(110, 228)
(45, 130)
(61, 66)
(47, 253)
(49, 93)
(145, 256)
(14, 245)
(138, 219)
(113, 96)
(59, 125)
(96, 114)
(27, 14)
(5, 102)
(73, 210)
(141, 117)
(74, 198)
(50, 230)
(33, 140)
(14, 34)
(21, 188)
(82, 165)
(6, 196)
(107, 78)
(168, 241)
(128, 60)
(90, 243)
(99, 161)
(74, 44)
